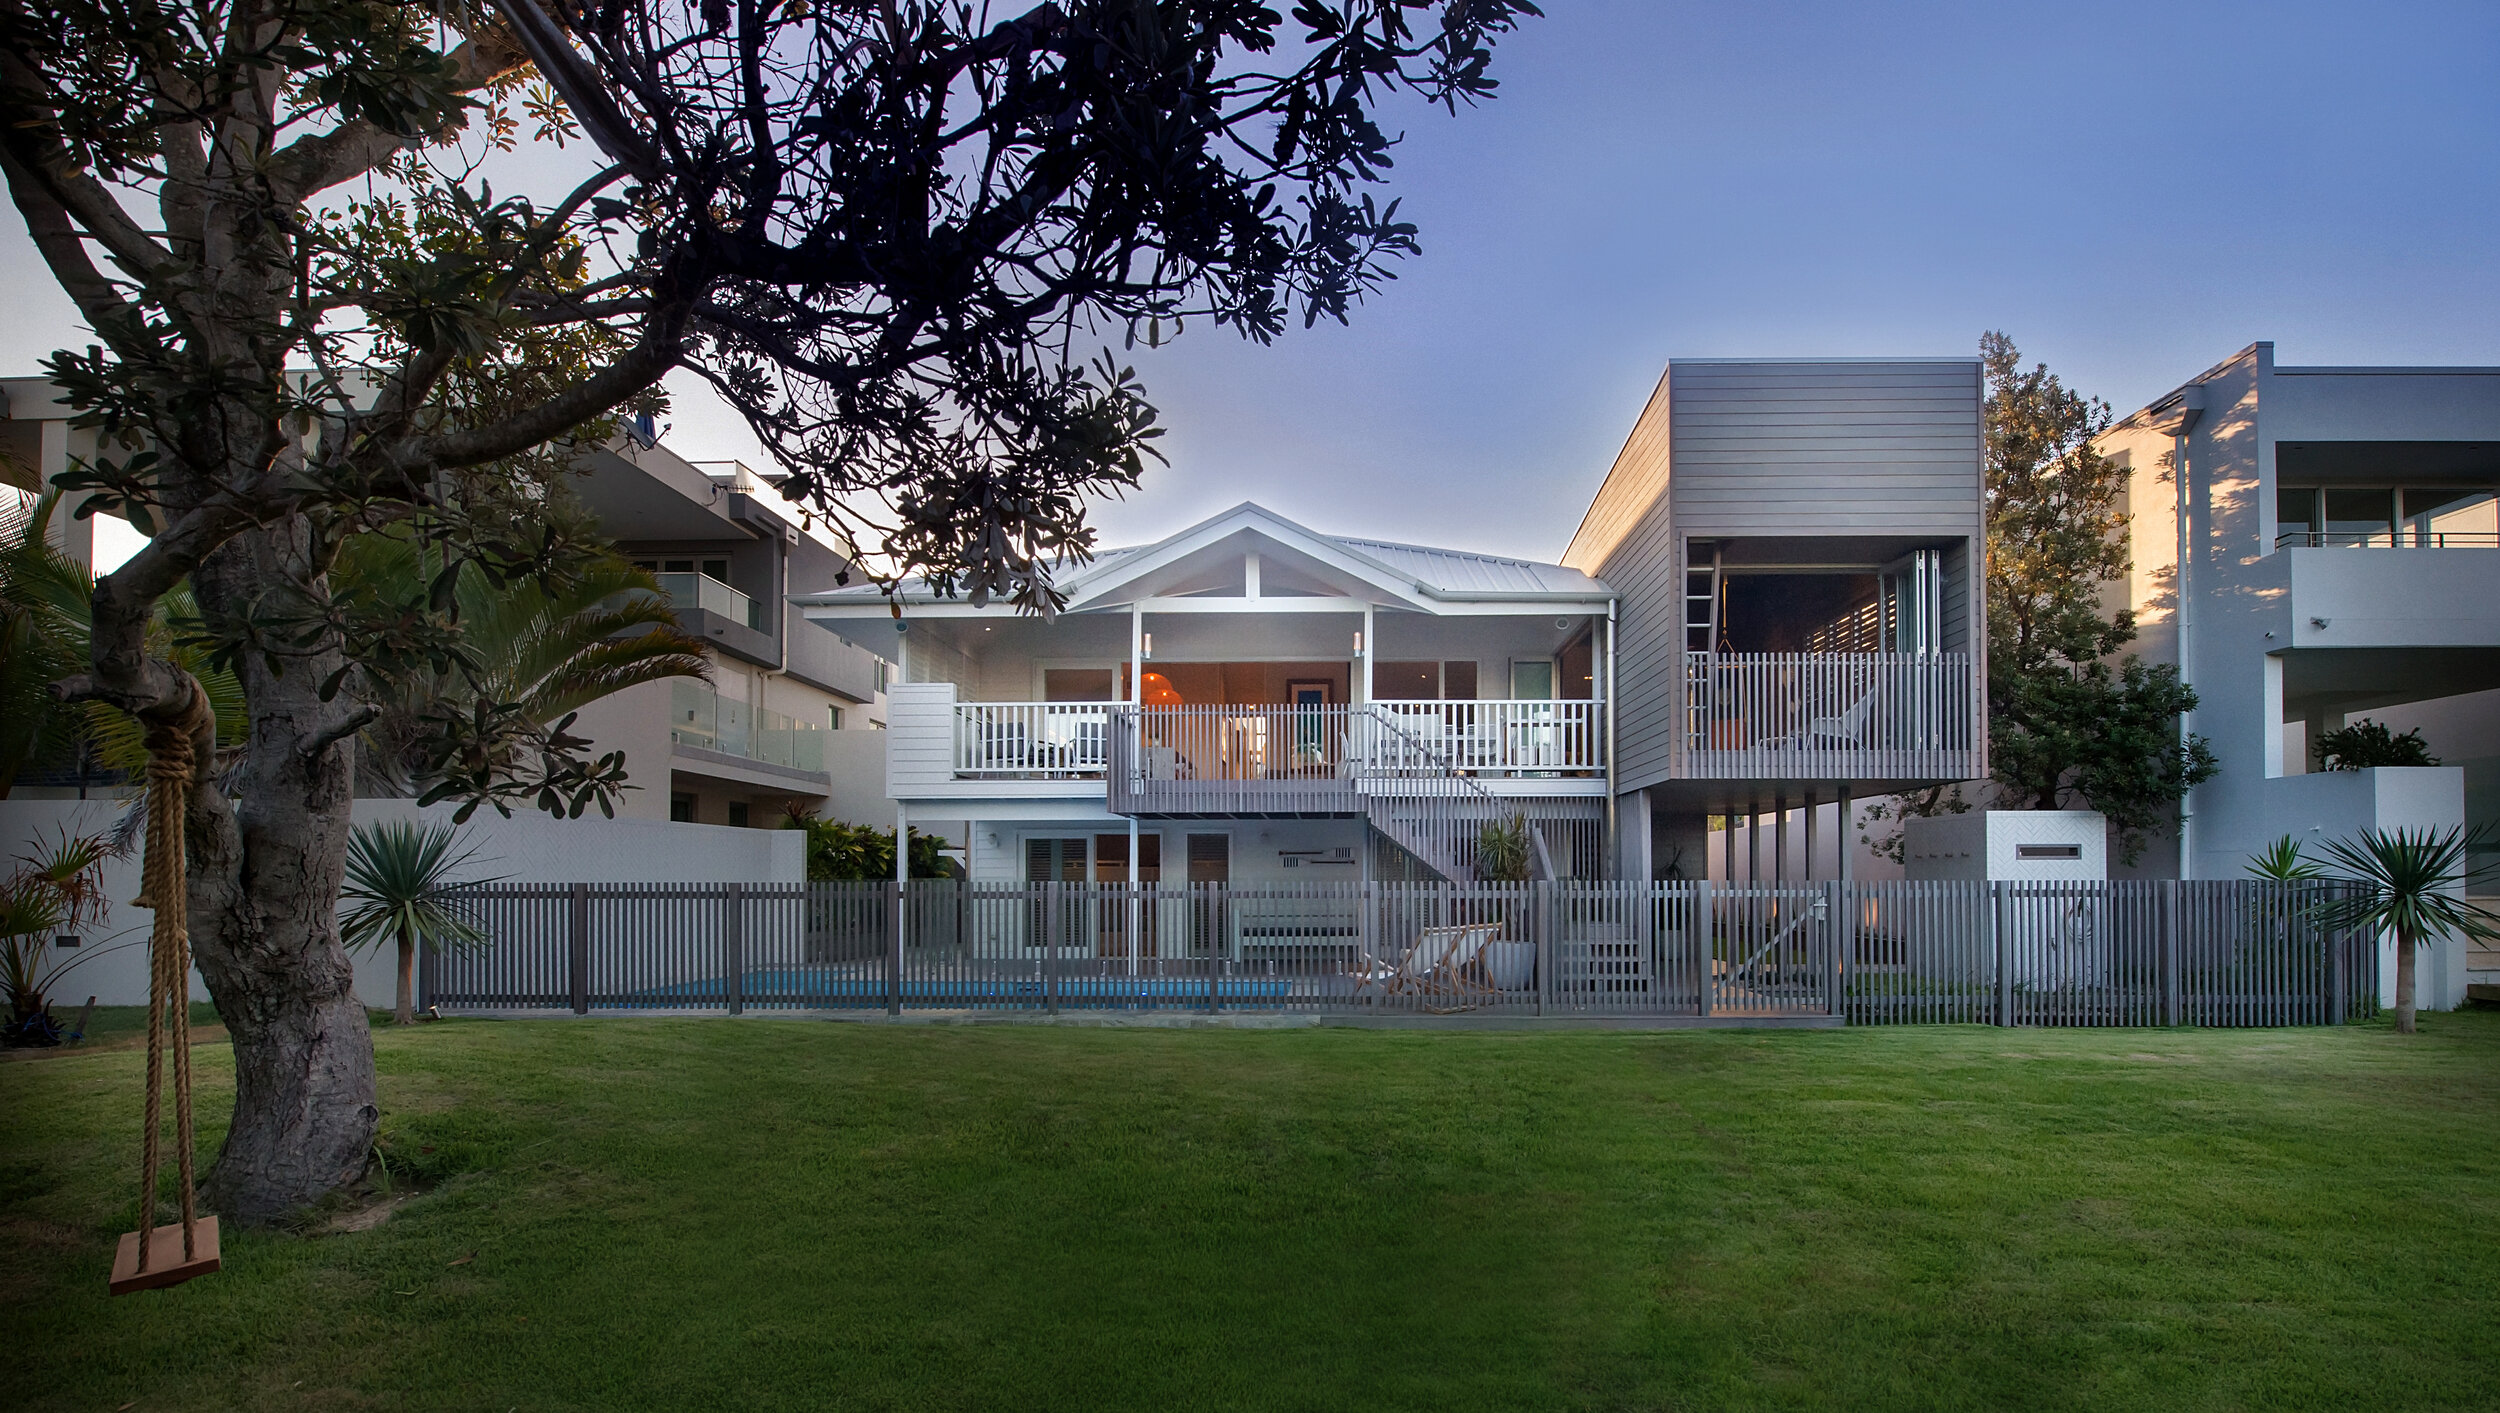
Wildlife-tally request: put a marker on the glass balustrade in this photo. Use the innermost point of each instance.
(711, 595)
(706, 720)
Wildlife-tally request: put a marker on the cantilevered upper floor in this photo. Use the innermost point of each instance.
(1795, 546)
(1249, 666)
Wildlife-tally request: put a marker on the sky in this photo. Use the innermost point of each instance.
(2131, 191)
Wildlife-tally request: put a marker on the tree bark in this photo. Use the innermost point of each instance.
(266, 871)
(407, 1014)
(2404, 984)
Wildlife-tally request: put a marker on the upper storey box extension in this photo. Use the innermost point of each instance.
(1795, 549)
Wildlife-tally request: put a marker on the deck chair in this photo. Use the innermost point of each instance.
(1847, 730)
(1459, 976)
(1414, 969)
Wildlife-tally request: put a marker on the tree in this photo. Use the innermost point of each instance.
(396, 873)
(2409, 882)
(855, 853)
(883, 231)
(2069, 721)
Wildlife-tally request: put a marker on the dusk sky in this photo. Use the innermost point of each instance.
(2131, 191)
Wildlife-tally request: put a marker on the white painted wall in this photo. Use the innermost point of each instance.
(523, 849)
(1988, 844)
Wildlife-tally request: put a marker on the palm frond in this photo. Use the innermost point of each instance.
(2410, 882)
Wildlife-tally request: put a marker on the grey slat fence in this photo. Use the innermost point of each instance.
(2101, 954)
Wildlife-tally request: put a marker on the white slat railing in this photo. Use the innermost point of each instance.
(1869, 716)
(1031, 740)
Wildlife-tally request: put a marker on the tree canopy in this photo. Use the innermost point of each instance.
(901, 238)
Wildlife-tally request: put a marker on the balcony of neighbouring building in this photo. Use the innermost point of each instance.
(710, 734)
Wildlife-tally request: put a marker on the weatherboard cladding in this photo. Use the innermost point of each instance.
(1645, 573)
(1824, 448)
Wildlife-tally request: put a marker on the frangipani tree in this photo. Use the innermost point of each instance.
(893, 234)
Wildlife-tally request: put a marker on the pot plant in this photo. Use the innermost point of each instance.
(1505, 853)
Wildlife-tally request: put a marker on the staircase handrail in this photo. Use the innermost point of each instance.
(1447, 770)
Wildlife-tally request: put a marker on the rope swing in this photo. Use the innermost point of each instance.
(156, 1256)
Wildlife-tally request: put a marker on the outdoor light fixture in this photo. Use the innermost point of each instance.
(1358, 642)
(1146, 645)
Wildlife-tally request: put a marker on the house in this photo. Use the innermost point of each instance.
(2333, 534)
(1771, 605)
(1251, 700)
(791, 713)
(1795, 548)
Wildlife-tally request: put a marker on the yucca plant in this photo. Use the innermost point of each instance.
(1504, 852)
(396, 874)
(2283, 862)
(2410, 882)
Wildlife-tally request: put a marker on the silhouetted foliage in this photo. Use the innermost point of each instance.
(2366, 743)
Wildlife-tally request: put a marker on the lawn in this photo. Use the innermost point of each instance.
(785, 1214)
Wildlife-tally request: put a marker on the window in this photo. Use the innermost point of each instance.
(2452, 517)
(833, 717)
(717, 569)
(681, 809)
(2360, 517)
(1406, 681)
(1076, 684)
(1532, 680)
(737, 814)
(2377, 517)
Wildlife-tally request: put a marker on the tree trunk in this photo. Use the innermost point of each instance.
(407, 1014)
(2404, 984)
(265, 879)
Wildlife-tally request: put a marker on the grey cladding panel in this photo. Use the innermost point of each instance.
(1788, 448)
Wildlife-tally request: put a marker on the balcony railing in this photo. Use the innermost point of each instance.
(706, 720)
(712, 596)
(1269, 743)
(1864, 716)
(1030, 740)
(2411, 537)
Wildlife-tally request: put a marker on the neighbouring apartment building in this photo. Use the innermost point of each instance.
(791, 713)
(2315, 546)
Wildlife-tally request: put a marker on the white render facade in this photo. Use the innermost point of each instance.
(2340, 537)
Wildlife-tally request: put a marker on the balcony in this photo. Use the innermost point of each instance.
(1831, 716)
(704, 720)
(1280, 759)
(702, 591)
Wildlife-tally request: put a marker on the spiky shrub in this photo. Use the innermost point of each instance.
(397, 872)
(2411, 883)
(2283, 862)
(1503, 850)
(58, 888)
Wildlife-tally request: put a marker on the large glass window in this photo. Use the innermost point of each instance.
(2295, 515)
(2364, 518)
(2453, 518)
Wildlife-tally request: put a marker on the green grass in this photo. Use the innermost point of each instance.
(779, 1214)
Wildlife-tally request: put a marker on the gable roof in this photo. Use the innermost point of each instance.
(1408, 576)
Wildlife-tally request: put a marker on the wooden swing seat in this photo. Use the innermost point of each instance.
(165, 1264)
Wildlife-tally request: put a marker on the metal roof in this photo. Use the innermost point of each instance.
(1439, 573)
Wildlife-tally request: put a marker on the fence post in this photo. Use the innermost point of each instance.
(2002, 937)
(734, 945)
(1046, 912)
(2338, 959)
(1215, 954)
(894, 955)
(1702, 942)
(1540, 912)
(1834, 928)
(2171, 950)
(579, 952)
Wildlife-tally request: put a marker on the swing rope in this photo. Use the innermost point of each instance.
(173, 766)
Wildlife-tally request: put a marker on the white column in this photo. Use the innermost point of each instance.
(1136, 654)
(1370, 649)
(2270, 704)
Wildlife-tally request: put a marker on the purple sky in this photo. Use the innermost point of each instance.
(2132, 191)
